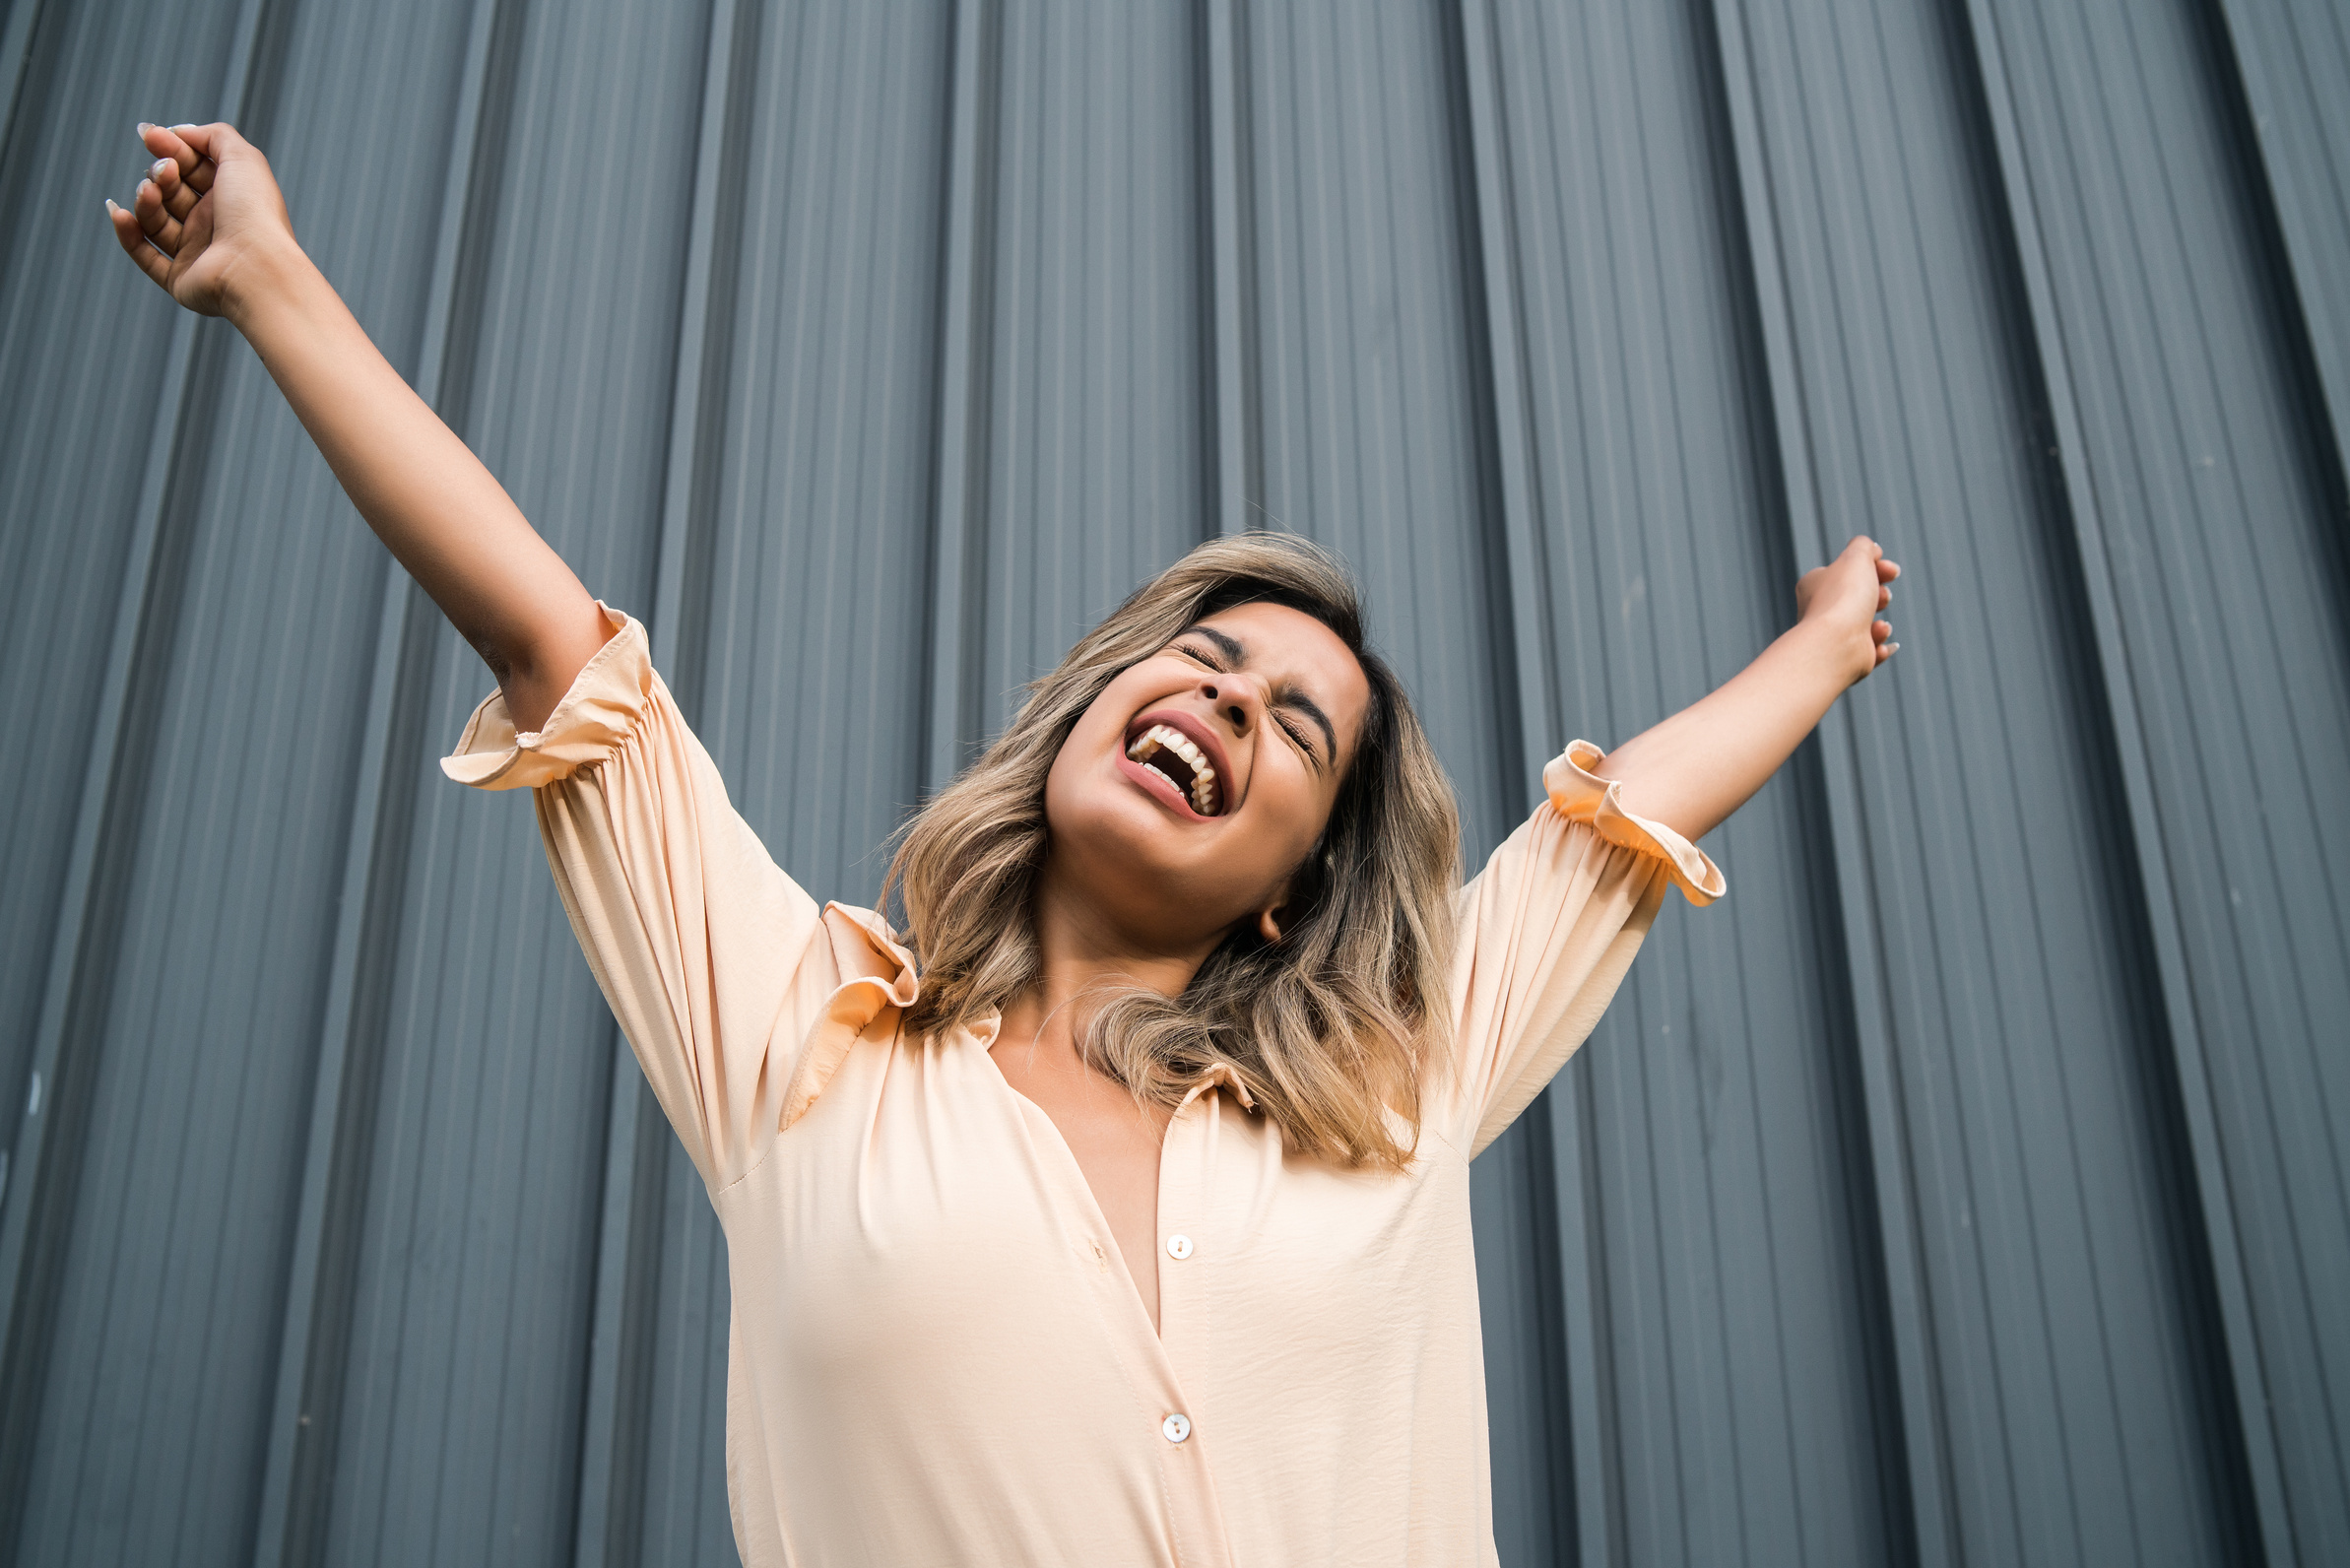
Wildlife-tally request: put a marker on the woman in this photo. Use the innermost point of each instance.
(1123, 1217)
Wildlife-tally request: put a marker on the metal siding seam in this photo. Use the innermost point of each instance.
(627, 1252)
(36, 1167)
(282, 1511)
(2303, 257)
(2224, 1256)
(15, 51)
(1229, 416)
(1930, 1507)
(1594, 1529)
(963, 358)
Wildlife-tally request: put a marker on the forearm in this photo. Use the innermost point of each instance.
(1691, 772)
(443, 516)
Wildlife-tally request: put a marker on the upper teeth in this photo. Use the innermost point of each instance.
(1203, 775)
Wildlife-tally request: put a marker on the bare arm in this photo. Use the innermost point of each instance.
(210, 227)
(1694, 769)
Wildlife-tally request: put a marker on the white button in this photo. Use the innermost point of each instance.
(1176, 1427)
(1179, 1246)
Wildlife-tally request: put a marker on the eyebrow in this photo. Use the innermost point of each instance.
(1233, 649)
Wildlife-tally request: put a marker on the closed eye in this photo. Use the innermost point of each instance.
(1202, 655)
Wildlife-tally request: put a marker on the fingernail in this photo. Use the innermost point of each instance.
(1893, 647)
(144, 127)
(158, 168)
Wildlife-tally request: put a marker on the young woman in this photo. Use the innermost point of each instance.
(1118, 1212)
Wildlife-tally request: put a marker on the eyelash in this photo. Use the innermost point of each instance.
(1191, 651)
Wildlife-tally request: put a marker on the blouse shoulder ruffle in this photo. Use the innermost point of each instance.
(1581, 796)
(606, 700)
(877, 978)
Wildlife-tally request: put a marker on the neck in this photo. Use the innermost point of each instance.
(1081, 951)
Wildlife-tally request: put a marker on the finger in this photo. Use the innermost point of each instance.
(178, 200)
(210, 143)
(147, 205)
(1882, 630)
(133, 240)
(1884, 596)
(1887, 570)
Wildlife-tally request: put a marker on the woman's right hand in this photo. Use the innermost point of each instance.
(206, 212)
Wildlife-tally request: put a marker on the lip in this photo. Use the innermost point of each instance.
(1201, 735)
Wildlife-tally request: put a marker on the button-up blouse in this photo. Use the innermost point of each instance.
(936, 1354)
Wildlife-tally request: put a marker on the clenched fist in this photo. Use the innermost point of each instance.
(1843, 598)
(206, 214)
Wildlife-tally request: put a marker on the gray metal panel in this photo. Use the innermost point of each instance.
(2220, 515)
(76, 426)
(2295, 64)
(2068, 1361)
(181, 1221)
(1732, 1251)
(476, 1236)
(1092, 464)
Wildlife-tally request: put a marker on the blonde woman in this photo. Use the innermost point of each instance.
(1117, 1211)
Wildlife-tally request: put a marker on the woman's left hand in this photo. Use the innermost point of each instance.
(1842, 600)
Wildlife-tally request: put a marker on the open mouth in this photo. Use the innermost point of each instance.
(1171, 753)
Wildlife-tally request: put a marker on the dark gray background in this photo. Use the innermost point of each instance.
(1968, 1188)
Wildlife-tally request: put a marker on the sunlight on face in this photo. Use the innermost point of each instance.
(1200, 777)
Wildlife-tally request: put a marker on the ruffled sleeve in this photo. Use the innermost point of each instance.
(739, 996)
(1547, 930)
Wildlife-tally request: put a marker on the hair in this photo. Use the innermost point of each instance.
(1329, 1029)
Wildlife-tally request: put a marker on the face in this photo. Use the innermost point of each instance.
(1200, 778)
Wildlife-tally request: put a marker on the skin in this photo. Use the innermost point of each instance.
(1135, 885)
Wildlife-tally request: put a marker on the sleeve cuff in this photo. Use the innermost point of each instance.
(595, 716)
(1581, 796)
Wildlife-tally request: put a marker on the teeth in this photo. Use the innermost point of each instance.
(1161, 735)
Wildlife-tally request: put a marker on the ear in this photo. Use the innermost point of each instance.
(1269, 918)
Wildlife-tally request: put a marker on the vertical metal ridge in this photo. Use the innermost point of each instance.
(300, 1432)
(1229, 422)
(1586, 1517)
(959, 495)
(36, 1204)
(611, 1492)
(16, 56)
(2324, 343)
(2222, 1251)
(1926, 1504)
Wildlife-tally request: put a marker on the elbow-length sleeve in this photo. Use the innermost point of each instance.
(1547, 930)
(737, 993)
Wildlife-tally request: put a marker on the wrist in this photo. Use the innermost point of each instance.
(266, 282)
(1840, 654)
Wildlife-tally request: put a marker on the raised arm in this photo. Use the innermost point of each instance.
(1694, 769)
(209, 225)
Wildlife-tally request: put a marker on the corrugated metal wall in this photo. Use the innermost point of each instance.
(1970, 1187)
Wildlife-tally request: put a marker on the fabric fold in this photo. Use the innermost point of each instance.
(1581, 796)
(606, 700)
(879, 979)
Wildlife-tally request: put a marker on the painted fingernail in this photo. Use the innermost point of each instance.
(161, 164)
(1893, 647)
(144, 127)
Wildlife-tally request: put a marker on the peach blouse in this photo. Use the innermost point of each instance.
(936, 1355)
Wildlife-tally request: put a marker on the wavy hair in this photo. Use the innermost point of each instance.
(1330, 1028)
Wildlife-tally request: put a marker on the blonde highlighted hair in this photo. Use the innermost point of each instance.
(1329, 1029)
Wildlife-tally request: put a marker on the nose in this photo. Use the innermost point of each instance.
(1233, 700)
